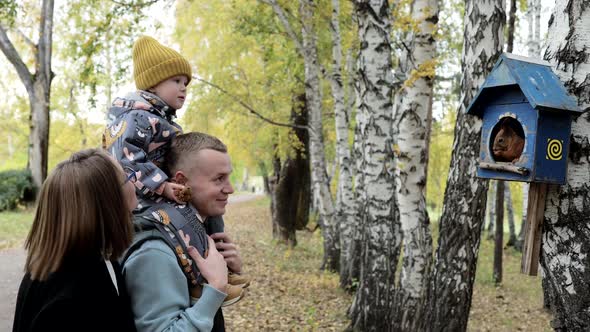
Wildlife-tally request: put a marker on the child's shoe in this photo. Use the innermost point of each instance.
(243, 280)
(234, 294)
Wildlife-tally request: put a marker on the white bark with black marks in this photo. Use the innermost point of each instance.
(510, 211)
(460, 226)
(566, 233)
(410, 128)
(491, 204)
(319, 176)
(345, 204)
(381, 243)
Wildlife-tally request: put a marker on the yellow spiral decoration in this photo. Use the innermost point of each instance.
(554, 149)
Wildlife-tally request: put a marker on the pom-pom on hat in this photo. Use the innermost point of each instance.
(154, 63)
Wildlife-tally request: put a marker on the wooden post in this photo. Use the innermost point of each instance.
(534, 229)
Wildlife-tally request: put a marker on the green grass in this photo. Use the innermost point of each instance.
(14, 227)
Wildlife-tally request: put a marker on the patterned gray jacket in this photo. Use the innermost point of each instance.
(140, 128)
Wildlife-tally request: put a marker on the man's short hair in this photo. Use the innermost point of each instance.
(185, 145)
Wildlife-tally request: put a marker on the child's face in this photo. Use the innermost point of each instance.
(172, 91)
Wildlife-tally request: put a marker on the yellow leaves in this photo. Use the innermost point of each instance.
(396, 150)
(426, 69)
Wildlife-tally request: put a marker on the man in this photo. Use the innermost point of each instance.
(158, 287)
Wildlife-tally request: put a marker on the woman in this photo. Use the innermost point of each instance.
(81, 226)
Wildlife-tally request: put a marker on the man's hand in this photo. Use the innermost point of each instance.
(213, 268)
(229, 250)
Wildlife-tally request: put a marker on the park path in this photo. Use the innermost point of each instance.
(12, 262)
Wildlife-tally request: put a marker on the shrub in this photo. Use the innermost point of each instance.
(16, 186)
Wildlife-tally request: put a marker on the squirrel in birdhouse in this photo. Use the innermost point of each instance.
(509, 141)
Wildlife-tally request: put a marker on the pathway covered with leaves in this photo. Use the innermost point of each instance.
(290, 293)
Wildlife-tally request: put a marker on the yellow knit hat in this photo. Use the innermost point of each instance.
(154, 63)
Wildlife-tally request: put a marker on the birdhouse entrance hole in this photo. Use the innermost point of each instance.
(507, 140)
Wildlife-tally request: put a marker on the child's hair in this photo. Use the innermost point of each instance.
(188, 144)
(81, 212)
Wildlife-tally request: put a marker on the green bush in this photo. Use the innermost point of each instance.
(16, 186)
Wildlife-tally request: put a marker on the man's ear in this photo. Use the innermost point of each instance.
(179, 178)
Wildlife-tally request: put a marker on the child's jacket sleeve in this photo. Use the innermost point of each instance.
(138, 139)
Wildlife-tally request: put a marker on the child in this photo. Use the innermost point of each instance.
(141, 126)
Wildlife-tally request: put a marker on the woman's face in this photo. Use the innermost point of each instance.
(128, 188)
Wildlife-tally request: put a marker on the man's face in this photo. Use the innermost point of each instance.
(208, 178)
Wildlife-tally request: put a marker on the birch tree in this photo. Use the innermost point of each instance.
(313, 95)
(566, 231)
(491, 208)
(460, 226)
(374, 298)
(306, 46)
(345, 208)
(37, 84)
(353, 265)
(533, 17)
(410, 128)
(499, 243)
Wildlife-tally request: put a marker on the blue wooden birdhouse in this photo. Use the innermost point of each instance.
(527, 115)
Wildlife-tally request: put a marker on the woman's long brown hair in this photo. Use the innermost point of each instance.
(81, 213)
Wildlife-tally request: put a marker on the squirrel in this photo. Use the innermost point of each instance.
(508, 144)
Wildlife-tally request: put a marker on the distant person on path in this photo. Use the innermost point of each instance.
(163, 295)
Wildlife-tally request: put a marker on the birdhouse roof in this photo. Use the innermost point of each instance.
(539, 84)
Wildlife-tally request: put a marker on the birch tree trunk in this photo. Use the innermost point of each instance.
(38, 86)
(451, 285)
(499, 243)
(381, 244)
(491, 208)
(410, 130)
(313, 95)
(566, 231)
(510, 211)
(345, 207)
(353, 266)
(533, 17)
(537, 40)
(533, 52)
(511, 22)
(307, 48)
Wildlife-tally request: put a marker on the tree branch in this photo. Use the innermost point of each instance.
(286, 24)
(12, 55)
(24, 37)
(146, 3)
(249, 108)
